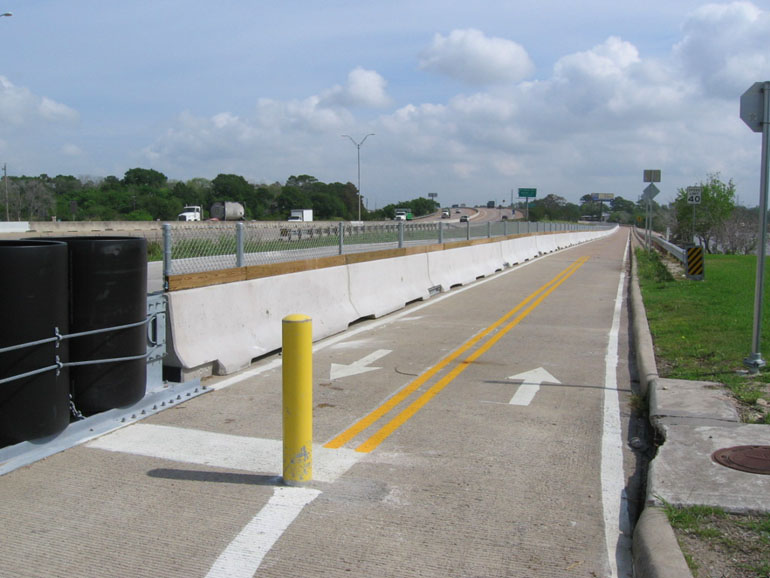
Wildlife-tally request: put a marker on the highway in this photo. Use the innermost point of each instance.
(482, 432)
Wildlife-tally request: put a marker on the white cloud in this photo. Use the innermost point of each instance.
(725, 47)
(18, 105)
(365, 88)
(473, 58)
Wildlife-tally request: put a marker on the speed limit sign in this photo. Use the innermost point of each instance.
(693, 195)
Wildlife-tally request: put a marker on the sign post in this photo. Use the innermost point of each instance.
(755, 112)
(527, 194)
(693, 198)
(650, 176)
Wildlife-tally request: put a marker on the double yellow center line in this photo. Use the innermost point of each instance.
(520, 312)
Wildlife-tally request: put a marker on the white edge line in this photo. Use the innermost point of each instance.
(614, 503)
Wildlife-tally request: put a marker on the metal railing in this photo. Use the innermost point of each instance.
(57, 337)
(200, 247)
(673, 250)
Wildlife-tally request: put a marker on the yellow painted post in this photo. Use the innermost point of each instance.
(297, 399)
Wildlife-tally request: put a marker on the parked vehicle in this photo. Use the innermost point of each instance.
(227, 211)
(302, 215)
(190, 213)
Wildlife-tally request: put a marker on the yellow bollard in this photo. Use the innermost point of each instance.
(297, 399)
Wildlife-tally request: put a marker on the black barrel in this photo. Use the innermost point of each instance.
(33, 305)
(108, 288)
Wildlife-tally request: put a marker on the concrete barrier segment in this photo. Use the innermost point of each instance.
(447, 269)
(380, 287)
(226, 326)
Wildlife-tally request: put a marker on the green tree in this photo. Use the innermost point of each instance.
(228, 187)
(716, 207)
(145, 177)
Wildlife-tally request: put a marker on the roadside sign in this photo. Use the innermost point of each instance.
(694, 195)
(529, 193)
(753, 106)
(650, 191)
(602, 196)
(695, 263)
(652, 176)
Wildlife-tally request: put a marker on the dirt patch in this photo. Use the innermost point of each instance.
(725, 545)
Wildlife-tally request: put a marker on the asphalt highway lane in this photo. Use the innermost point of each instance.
(479, 433)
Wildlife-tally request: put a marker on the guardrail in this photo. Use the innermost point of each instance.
(673, 250)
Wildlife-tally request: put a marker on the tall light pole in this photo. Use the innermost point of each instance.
(5, 178)
(358, 148)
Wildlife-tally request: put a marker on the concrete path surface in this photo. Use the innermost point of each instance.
(480, 433)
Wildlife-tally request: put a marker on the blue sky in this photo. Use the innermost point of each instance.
(470, 100)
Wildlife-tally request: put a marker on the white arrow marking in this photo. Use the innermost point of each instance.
(530, 385)
(360, 366)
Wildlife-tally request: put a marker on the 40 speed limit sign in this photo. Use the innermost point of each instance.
(693, 195)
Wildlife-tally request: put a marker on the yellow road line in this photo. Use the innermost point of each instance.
(375, 415)
(385, 431)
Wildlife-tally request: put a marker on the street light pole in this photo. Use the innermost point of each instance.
(358, 149)
(5, 178)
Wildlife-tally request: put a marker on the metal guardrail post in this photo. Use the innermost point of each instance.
(467, 230)
(166, 254)
(341, 236)
(239, 244)
(489, 229)
(440, 232)
(401, 234)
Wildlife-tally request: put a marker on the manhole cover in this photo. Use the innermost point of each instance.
(752, 459)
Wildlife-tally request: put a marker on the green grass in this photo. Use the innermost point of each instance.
(702, 330)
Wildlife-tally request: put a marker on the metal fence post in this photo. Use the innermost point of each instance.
(440, 232)
(341, 235)
(401, 234)
(239, 244)
(467, 230)
(489, 229)
(166, 254)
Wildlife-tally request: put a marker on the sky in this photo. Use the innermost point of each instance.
(468, 100)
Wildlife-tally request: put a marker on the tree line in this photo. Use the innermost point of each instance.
(719, 224)
(148, 195)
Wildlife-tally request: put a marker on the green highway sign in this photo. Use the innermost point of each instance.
(527, 192)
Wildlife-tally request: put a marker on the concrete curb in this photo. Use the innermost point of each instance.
(656, 552)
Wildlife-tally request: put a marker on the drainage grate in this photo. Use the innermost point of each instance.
(752, 459)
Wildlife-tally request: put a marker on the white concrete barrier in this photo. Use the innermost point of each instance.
(14, 227)
(222, 328)
(386, 285)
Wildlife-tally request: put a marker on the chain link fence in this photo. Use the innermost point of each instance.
(200, 247)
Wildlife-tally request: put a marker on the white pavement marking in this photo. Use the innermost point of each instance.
(243, 556)
(530, 385)
(361, 366)
(220, 450)
(617, 527)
